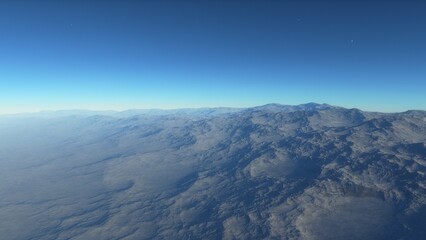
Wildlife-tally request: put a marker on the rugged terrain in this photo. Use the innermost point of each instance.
(312, 171)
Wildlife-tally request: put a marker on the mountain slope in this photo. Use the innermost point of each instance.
(311, 171)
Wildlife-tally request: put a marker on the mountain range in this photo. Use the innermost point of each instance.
(311, 171)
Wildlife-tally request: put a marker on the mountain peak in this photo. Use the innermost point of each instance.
(290, 108)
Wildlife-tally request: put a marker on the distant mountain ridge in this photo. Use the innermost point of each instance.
(185, 111)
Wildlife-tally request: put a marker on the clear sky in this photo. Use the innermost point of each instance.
(166, 54)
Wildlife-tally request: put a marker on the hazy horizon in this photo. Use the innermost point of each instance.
(188, 107)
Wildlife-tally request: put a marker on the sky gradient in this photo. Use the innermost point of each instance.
(170, 54)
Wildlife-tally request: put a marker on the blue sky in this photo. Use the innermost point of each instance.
(169, 54)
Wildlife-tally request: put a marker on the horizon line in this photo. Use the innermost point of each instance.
(122, 110)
